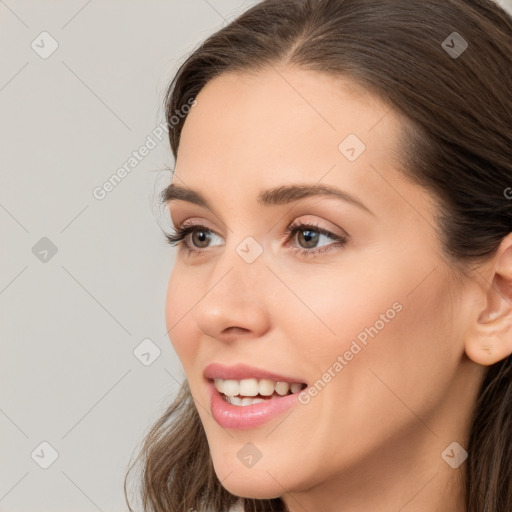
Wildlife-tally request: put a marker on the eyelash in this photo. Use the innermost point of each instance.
(179, 235)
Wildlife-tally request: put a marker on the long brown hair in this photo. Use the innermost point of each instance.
(458, 145)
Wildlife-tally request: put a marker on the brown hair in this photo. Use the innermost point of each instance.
(458, 144)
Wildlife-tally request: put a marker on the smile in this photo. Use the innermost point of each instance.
(243, 397)
(253, 391)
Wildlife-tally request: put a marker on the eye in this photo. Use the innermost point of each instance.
(309, 237)
(195, 237)
(200, 235)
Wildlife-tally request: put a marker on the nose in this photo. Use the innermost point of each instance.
(234, 303)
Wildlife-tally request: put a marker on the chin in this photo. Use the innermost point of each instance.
(249, 482)
(265, 489)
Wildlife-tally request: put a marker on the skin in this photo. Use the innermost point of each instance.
(372, 438)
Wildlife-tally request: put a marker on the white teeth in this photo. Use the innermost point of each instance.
(266, 387)
(249, 387)
(253, 387)
(231, 387)
(250, 401)
(282, 388)
(219, 385)
(236, 400)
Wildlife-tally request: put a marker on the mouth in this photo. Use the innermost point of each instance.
(249, 403)
(243, 396)
(253, 391)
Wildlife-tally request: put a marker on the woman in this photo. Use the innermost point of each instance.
(341, 297)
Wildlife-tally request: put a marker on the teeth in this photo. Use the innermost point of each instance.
(266, 387)
(249, 387)
(219, 385)
(282, 388)
(231, 387)
(295, 387)
(236, 400)
(250, 401)
(253, 387)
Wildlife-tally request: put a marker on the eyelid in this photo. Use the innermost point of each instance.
(191, 226)
(316, 221)
(302, 220)
(297, 222)
(181, 233)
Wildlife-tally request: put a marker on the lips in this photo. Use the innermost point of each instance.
(260, 410)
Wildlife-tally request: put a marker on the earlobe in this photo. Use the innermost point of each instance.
(489, 339)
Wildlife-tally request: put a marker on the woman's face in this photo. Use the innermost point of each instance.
(367, 316)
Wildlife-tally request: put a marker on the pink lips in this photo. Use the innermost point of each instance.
(249, 416)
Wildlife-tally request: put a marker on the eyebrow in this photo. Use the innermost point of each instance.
(281, 195)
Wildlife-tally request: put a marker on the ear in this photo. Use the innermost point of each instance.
(489, 338)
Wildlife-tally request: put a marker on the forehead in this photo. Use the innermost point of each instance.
(280, 111)
(287, 125)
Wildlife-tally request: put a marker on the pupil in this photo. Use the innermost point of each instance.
(201, 236)
(310, 237)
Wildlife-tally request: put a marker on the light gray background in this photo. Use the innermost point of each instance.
(70, 325)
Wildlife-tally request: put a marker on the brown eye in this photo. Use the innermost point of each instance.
(307, 238)
(200, 238)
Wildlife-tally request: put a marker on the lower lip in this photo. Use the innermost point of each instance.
(247, 416)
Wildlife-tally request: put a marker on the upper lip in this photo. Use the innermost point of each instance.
(242, 371)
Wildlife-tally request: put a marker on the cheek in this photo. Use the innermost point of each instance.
(394, 310)
(376, 348)
(339, 306)
(404, 365)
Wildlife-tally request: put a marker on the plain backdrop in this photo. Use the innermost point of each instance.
(86, 365)
(83, 280)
